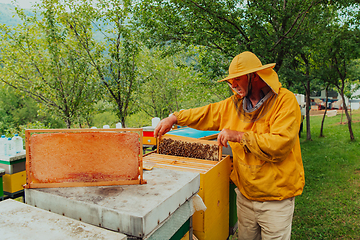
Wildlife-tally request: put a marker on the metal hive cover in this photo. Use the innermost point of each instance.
(136, 210)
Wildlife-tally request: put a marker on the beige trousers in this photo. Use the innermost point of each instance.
(264, 220)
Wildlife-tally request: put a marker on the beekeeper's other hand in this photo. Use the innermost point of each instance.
(165, 125)
(228, 135)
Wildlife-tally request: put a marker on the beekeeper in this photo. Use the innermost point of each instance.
(261, 123)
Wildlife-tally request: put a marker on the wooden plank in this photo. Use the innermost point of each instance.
(27, 163)
(82, 184)
(29, 131)
(179, 168)
(210, 137)
(185, 165)
(189, 139)
(180, 163)
(174, 158)
(216, 198)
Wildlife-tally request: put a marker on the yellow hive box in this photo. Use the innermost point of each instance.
(149, 141)
(14, 182)
(214, 191)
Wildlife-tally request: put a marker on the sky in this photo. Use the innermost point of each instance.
(22, 3)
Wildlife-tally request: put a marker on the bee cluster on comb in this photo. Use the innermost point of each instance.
(181, 148)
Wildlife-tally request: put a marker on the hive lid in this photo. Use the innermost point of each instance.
(22, 221)
(83, 157)
(135, 210)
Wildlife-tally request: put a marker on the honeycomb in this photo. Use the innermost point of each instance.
(181, 148)
(84, 157)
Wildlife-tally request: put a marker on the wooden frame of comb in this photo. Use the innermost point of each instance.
(189, 147)
(83, 157)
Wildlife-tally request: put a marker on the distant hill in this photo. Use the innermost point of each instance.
(8, 15)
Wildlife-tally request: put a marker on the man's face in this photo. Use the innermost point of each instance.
(240, 85)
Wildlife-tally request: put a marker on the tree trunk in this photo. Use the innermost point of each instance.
(123, 122)
(323, 119)
(352, 138)
(68, 123)
(308, 131)
(342, 113)
(307, 90)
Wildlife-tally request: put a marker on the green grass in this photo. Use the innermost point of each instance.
(329, 207)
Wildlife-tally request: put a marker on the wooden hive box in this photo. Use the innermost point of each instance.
(13, 183)
(83, 157)
(2, 173)
(213, 223)
(15, 174)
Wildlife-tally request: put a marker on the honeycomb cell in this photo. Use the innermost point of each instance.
(84, 157)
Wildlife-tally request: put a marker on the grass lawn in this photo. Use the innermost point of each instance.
(329, 207)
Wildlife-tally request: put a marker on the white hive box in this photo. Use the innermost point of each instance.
(136, 210)
(22, 221)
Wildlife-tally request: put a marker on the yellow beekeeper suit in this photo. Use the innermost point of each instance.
(267, 162)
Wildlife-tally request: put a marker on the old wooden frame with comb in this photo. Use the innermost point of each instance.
(31, 182)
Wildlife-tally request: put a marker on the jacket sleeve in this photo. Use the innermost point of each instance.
(275, 139)
(203, 118)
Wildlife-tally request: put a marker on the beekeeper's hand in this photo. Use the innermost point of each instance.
(228, 135)
(165, 125)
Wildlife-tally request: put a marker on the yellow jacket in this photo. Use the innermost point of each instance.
(267, 162)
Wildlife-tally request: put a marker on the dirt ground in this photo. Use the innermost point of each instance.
(321, 112)
(355, 115)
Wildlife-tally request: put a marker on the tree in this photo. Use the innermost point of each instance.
(169, 84)
(114, 55)
(343, 48)
(40, 59)
(276, 31)
(352, 85)
(326, 107)
(307, 63)
(268, 28)
(17, 109)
